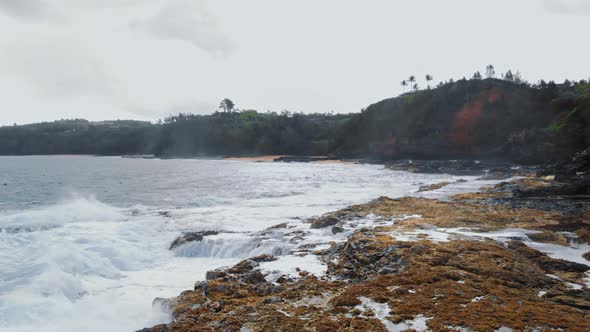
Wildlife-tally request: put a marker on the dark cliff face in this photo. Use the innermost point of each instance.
(473, 119)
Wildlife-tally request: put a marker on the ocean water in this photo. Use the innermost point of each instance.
(84, 240)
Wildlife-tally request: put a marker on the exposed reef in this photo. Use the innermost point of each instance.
(510, 257)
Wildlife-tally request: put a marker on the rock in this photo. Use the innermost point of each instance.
(264, 258)
(165, 214)
(303, 159)
(201, 285)
(584, 234)
(273, 299)
(324, 221)
(190, 237)
(279, 226)
(221, 288)
(214, 274)
(545, 262)
(244, 266)
(548, 237)
(337, 229)
(433, 186)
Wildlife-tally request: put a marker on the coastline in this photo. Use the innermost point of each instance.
(512, 256)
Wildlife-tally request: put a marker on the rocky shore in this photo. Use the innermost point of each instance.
(511, 257)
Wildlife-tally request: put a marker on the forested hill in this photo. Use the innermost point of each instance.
(477, 118)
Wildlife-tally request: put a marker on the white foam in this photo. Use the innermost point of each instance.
(96, 265)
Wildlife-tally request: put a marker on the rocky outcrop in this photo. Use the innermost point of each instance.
(304, 159)
(190, 237)
(479, 262)
(469, 285)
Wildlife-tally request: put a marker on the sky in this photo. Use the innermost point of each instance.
(147, 59)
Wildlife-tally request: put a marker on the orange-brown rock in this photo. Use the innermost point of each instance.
(470, 284)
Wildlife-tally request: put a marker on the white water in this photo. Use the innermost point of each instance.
(84, 241)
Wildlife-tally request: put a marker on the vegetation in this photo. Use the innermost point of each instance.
(476, 118)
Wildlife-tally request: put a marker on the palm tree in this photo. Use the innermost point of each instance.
(412, 79)
(490, 71)
(404, 84)
(227, 105)
(428, 79)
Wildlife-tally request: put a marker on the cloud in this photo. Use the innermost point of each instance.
(577, 7)
(188, 23)
(34, 10)
(57, 70)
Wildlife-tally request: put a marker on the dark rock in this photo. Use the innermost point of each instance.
(279, 226)
(164, 214)
(324, 221)
(544, 261)
(433, 186)
(215, 274)
(244, 266)
(190, 237)
(273, 299)
(337, 229)
(296, 239)
(264, 258)
(302, 159)
(203, 285)
(255, 277)
(222, 288)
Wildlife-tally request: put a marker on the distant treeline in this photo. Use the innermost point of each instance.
(182, 135)
(476, 118)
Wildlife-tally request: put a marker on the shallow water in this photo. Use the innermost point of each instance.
(84, 240)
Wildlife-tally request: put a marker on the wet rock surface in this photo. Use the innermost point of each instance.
(489, 169)
(191, 237)
(479, 262)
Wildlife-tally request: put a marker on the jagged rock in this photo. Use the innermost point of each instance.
(548, 237)
(584, 234)
(468, 282)
(264, 258)
(433, 186)
(324, 221)
(244, 266)
(303, 159)
(214, 274)
(544, 261)
(190, 237)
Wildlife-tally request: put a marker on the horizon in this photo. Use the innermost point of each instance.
(157, 58)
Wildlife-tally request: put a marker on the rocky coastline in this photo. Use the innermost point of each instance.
(514, 256)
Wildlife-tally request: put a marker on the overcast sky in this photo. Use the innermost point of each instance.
(146, 59)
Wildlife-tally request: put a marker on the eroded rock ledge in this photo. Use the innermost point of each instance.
(462, 265)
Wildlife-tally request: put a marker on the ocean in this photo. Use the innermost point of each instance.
(84, 241)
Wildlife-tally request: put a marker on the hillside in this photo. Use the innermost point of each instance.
(467, 119)
(484, 119)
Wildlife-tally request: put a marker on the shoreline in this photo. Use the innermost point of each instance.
(414, 263)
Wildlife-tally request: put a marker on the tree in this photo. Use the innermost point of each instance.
(404, 84)
(415, 87)
(428, 79)
(227, 105)
(509, 76)
(490, 71)
(518, 78)
(477, 75)
(412, 80)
